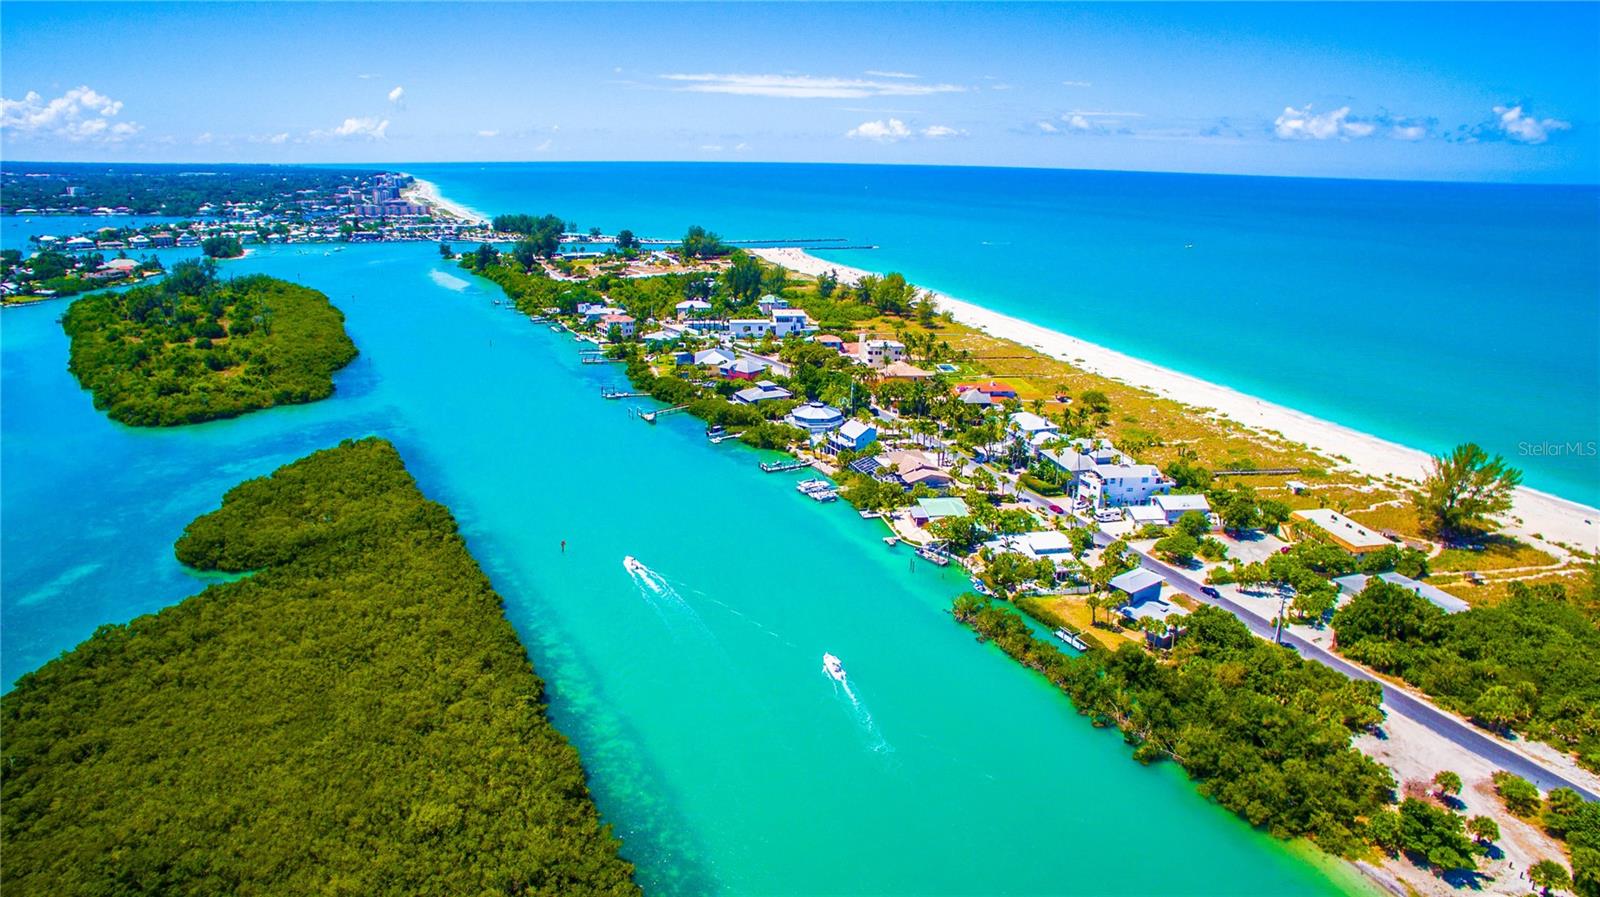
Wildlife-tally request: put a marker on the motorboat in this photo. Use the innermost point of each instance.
(933, 556)
(632, 565)
(833, 667)
(1071, 638)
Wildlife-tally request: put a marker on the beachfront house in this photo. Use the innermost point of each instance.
(743, 369)
(875, 353)
(853, 436)
(1118, 485)
(768, 302)
(816, 418)
(1175, 506)
(1355, 583)
(927, 510)
(763, 391)
(1331, 526)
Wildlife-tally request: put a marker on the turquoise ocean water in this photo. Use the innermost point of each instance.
(728, 762)
(1424, 313)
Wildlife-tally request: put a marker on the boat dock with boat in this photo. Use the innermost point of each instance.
(817, 490)
(1071, 638)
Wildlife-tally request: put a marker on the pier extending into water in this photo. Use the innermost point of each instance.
(649, 417)
(782, 466)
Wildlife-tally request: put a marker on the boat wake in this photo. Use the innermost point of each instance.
(668, 602)
(858, 707)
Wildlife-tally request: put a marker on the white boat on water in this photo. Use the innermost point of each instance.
(816, 485)
(833, 667)
(933, 556)
(1072, 639)
(632, 565)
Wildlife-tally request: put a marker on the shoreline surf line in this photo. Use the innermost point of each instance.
(1552, 517)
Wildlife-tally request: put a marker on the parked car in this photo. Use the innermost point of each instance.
(1056, 509)
(1210, 592)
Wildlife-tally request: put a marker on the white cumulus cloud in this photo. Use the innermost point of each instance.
(80, 114)
(368, 127)
(937, 131)
(1048, 127)
(1519, 127)
(1303, 124)
(807, 86)
(882, 130)
(396, 94)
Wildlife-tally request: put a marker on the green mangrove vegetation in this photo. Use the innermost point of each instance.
(1265, 733)
(1530, 663)
(193, 348)
(357, 717)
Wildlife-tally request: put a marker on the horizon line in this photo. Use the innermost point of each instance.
(400, 166)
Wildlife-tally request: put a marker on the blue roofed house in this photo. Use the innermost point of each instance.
(1139, 585)
(1143, 588)
(852, 436)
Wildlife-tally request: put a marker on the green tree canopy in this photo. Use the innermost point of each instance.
(1463, 489)
(356, 717)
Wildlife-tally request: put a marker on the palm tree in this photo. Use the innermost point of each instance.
(1093, 602)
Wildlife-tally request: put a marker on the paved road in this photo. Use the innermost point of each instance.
(1437, 721)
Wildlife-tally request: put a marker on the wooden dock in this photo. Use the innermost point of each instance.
(610, 392)
(649, 417)
(782, 466)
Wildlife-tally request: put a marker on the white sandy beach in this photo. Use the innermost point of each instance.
(427, 193)
(1551, 517)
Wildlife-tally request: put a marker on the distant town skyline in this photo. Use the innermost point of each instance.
(1474, 91)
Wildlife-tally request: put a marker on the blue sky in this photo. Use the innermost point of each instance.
(1474, 91)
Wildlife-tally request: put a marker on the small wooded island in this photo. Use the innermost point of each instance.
(356, 717)
(195, 348)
